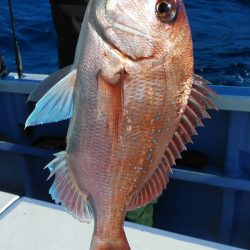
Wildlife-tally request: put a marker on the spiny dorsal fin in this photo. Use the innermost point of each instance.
(196, 108)
(65, 191)
(57, 104)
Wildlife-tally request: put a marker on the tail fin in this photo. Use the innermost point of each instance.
(110, 243)
(66, 192)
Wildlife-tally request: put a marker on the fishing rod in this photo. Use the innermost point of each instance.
(16, 45)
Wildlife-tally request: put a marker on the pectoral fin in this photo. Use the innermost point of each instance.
(56, 104)
(111, 101)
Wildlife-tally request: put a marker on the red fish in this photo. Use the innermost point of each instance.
(134, 103)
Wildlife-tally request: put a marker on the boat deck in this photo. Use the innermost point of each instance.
(32, 224)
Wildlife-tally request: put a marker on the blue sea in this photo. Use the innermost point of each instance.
(221, 35)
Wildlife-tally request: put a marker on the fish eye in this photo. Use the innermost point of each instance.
(166, 10)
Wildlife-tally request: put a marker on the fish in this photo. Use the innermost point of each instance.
(133, 102)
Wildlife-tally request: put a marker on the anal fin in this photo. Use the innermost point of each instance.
(66, 192)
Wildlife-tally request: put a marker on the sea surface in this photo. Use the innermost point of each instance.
(221, 35)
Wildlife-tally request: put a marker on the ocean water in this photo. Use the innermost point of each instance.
(221, 35)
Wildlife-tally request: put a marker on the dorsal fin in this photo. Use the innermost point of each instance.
(196, 108)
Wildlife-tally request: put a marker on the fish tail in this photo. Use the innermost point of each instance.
(107, 243)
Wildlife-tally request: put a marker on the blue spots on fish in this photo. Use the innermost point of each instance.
(149, 158)
(158, 116)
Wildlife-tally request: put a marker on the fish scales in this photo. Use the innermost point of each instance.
(134, 102)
